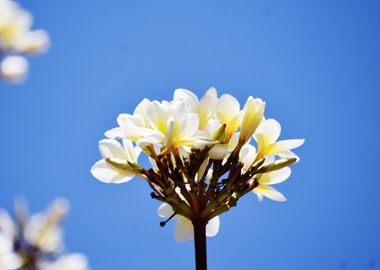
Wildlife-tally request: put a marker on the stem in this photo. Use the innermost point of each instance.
(200, 244)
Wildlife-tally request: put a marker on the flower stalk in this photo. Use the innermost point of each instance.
(200, 244)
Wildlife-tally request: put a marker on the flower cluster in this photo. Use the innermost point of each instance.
(201, 155)
(17, 39)
(36, 242)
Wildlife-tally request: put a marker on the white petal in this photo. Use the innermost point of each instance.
(130, 120)
(270, 129)
(155, 139)
(227, 108)
(112, 149)
(42, 231)
(189, 97)
(251, 118)
(192, 124)
(10, 261)
(207, 107)
(7, 227)
(275, 177)
(287, 145)
(115, 133)
(131, 152)
(108, 174)
(14, 68)
(37, 41)
(142, 108)
(270, 193)
(157, 116)
(183, 230)
(165, 210)
(212, 227)
(247, 156)
(212, 92)
(287, 154)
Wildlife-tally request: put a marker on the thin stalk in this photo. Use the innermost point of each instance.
(200, 244)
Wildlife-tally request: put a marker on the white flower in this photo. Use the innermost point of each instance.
(15, 33)
(266, 136)
(248, 156)
(14, 68)
(16, 37)
(267, 179)
(112, 149)
(184, 230)
(252, 114)
(228, 113)
(205, 108)
(161, 124)
(75, 261)
(43, 230)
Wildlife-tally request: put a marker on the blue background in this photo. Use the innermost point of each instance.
(316, 63)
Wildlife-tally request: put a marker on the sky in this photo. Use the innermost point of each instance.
(315, 63)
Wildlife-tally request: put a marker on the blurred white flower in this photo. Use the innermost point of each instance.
(14, 68)
(36, 242)
(17, 38)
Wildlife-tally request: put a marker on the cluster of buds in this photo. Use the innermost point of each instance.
(201, 156)
(17, 40)
(36, 242)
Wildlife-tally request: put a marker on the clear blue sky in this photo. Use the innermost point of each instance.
(316, 63)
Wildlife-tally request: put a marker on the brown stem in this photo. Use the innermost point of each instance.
(200, 244)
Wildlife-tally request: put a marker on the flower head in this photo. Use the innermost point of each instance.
(201, 154)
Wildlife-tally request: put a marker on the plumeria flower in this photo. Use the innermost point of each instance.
(43, 229)
(183, 230)
(252, 115)
(132, 126)
(205, 108)
(248, 156)
(16, 39)
(174, 128)
(36, 242)
(161, 124)
(112, 150)
(266, 137)
(228, 113)
(15, 33)
(265, 180)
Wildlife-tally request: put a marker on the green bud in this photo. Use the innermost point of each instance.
(278, 164)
